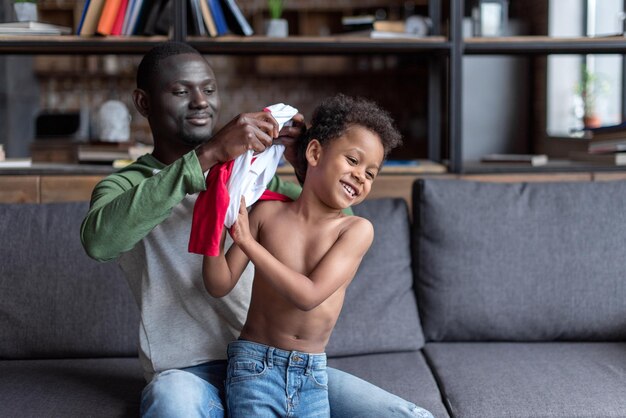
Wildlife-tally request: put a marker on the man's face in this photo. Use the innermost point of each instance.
(184, 101)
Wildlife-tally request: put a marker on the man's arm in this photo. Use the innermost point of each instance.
(126, 206)
(336, 268)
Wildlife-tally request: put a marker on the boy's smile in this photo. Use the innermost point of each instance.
(349, 164)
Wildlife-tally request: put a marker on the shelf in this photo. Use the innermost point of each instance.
(553, 166)
(309, 45)
(73, 44)
(544, 45)
(227, 45)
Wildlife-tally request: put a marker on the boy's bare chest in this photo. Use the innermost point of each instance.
(298, 245)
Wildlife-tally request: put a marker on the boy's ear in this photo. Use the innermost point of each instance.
(140, 99)
(313, 152)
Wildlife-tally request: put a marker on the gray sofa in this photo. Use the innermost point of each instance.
(499, 300)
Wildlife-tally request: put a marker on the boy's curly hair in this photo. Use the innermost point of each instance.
(336, 114)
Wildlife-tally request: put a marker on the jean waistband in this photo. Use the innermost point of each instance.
(275, 355)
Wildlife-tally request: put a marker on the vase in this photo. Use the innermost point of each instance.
(592, 121)
(277, 28)
(25, 11)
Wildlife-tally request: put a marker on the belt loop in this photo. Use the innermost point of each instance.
(270, 357)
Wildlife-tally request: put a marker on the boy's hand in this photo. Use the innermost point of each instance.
(240, 231)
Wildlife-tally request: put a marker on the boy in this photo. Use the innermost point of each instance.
(305, 254)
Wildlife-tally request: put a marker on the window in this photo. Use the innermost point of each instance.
(567, 73)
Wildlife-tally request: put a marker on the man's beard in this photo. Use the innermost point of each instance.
(193, 139)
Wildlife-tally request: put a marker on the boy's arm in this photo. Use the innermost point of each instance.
(336, 268)
(222, 272)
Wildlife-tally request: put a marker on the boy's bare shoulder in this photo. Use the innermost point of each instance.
(358, 227)
(266, 208)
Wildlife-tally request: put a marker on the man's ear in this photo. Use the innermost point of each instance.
(140, 98)
(313, 152)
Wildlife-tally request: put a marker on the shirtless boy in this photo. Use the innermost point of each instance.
(305, 254)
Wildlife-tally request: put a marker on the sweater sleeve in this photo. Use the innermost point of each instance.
(126, 206)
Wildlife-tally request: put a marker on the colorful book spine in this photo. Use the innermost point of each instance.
(108, 16)
(92, 16)
(218, 17)
(119, 19)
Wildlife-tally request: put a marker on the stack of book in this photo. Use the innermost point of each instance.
(368, 26)
(33, 28)
(606, 145)
(154, 17)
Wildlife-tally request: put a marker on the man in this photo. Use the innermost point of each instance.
(142, 215)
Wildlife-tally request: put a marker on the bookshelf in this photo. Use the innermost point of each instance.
(442, 53)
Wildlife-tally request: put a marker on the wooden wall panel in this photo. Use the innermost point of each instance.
(67, 188)
(19, 189)
(528, 177)
(609, 176)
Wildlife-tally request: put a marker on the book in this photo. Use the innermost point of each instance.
(108, 16)
(235, 19)
(82, 17)
(119, 19)
(196, 18)
(218, 17)
(617, 158)
(129, 12)
(208, 19)
(530, 159)
(92, 17)
(16, 163)
(33, 28)
(140, 16)
(606, 132)
(164, 21)
(607, 146)
(151, 18)
(358, 23)
(133, 19)
(102, 152)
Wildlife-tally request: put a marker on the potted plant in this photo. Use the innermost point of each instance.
(590, 88)
(276, 26)
(25, 10)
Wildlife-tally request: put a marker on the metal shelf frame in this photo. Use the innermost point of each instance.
(444, 53)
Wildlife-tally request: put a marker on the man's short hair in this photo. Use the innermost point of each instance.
(150, 63)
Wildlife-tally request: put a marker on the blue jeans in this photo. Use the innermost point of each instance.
(198, 391)
(267, 382)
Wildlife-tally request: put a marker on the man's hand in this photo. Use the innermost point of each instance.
(247, 131)
(289, 137)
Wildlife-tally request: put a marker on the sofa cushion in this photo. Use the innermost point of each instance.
(404, 374)
(492, 380)
(54, 300)
(521, 262)
(70, 388)
(379, 313)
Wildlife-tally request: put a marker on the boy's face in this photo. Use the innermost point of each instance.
(348, 166)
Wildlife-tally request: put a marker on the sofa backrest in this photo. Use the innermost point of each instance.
(54, 300)
(57, 302)
(379, 313)
(520, 262)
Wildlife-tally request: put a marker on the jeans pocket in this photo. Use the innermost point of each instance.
(245, 369)
(320, 378)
